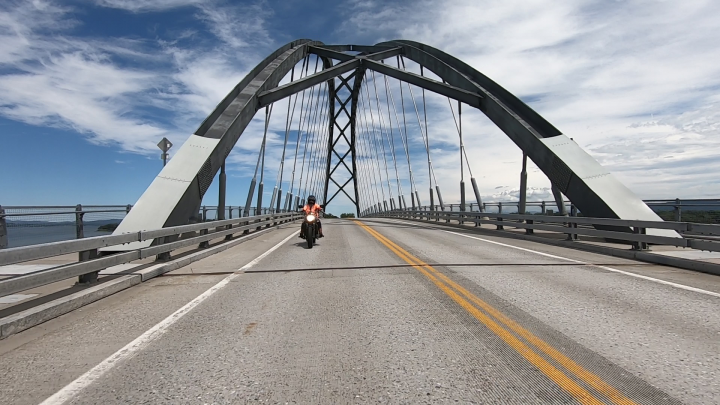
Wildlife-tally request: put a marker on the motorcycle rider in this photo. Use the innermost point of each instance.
(314, 208)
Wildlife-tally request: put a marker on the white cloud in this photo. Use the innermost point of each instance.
(138, 6)
(118, 91)
(235, 26)
(596, 70)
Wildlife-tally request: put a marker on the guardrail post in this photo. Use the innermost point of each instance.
(247, 231)
(529, 231)
(79, 232)
(3, 230)
(229, 237)
(85, 255)
(572, 225)
(164, 256)
(204, 213)
(500, 227)
(204, 244)
(259, 221)
(678, 210)
(127, 209)
(639, 245)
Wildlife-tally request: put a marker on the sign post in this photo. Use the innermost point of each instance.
(164, 146)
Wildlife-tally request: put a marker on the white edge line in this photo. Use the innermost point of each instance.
(142, 341)
(627, 273)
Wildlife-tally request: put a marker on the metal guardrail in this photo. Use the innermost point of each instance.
(695, 210)
(91, 262)
(31, 225)
(639, 239)
(27, 225)
(229, 212)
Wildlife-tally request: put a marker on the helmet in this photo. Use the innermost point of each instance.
(311, 199)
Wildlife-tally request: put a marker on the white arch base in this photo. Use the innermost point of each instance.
(156, 204)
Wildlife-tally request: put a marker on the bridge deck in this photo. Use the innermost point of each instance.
(488, 320)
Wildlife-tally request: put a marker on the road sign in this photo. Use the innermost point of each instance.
(165, 145)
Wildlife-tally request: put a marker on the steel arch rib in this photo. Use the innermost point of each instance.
(591, 187)
(175, 195)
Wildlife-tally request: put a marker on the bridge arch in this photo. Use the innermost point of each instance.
(175, 195)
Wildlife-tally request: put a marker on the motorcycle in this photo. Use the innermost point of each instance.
(311, 229)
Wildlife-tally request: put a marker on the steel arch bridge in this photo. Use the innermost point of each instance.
(346, 72)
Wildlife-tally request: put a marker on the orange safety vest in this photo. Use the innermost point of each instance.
(314, 209)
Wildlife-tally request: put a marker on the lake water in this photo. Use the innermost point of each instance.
(33, 235)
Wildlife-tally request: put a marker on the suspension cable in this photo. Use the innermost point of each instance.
(414, 195)
(261, 155)
(367, 163)
(458, 126)
(379, 145)
(310, 136)
(315, 151)
(320, 151)
(361, 160)
(317, 135)
(268, 114)
(372, 157)
(288, 122)
(392, 140)
(427, 134)
(299, 135)
(318, 182)
(373, 164)
(382, 136)
(325, 151)
(426, 139)
(372, 136)
(403, 133)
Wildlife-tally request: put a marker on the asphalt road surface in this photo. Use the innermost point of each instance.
(384, 311)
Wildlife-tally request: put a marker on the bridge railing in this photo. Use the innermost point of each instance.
(210, 212)
(24, 225)
(27, 225)
(706, 211)
(31, 225)
(695, 236)
(91, 261)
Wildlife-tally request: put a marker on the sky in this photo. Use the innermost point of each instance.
(88, 87)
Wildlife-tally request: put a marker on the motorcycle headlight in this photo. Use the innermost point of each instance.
(310, 218)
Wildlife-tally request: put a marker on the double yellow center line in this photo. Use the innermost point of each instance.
(494, 320)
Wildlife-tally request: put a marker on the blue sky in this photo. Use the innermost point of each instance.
(88, 87)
